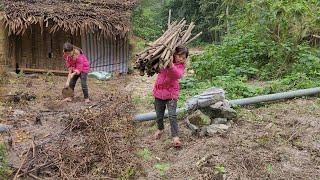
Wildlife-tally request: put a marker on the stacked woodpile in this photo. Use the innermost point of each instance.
(158, 55)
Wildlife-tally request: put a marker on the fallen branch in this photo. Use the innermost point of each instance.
(37, 168)
(34, 176)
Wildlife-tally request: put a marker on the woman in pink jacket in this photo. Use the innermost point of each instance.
(166, 93)
(78, 66)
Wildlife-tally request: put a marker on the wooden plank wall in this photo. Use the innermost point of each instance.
(38, 50)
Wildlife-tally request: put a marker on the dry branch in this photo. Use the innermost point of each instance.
(158, 55)
(98, 141)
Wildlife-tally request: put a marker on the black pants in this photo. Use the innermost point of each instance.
(160, 107)
(83, 77)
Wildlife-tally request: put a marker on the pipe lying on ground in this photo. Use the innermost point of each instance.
(273, 97)
(243, 102)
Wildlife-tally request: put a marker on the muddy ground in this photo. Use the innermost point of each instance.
(273, 141)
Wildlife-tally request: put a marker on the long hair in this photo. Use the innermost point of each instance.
(68, 47)
(181, 50)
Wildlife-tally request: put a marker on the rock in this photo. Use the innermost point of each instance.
(192, 103)
(18, 112)
(217, 128)
(220, 121)
(212, 113)
(211, 96)
(12, 74)
(195, 129)
(203, 131)
(207, 98)
(220, 109)
(199, 119)
(229, 123)
(211, 131)
(220, 104)
(229, 113)
(4, 128)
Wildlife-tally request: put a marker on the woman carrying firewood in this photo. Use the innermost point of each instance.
(166, 93)
(78, 66)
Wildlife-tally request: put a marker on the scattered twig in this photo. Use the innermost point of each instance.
(37, 168)
(22, 163)
(34, 176)
(33, 148)
(109, 150)
(91, 133)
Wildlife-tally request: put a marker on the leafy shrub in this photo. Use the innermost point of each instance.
(266, 42)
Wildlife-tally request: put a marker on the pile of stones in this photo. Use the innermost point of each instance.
(209, 113)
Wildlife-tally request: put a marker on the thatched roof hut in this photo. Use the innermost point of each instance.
(100, 27)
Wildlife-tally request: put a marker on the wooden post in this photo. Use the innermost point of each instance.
(4, 62)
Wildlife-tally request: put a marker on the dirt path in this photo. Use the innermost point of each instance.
(141, 87)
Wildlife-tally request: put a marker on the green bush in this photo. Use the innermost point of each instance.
(235, 87)
(237, 55)
(266, 42)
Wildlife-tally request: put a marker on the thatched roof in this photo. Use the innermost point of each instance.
(110, 17)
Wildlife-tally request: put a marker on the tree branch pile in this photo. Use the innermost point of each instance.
(98, 142)
(157, 55)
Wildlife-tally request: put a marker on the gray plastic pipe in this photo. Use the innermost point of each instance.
(242, 102)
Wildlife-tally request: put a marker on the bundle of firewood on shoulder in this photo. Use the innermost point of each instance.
(158, 54)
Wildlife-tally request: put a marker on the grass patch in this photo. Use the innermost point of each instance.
(5, 171)
(129, 174)
(162, 168)
(145, 154)
(146, 100)
(219, 169)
